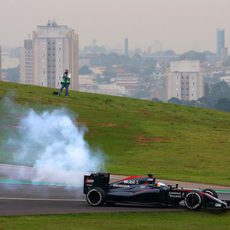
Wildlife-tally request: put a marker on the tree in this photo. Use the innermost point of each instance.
(141, 93)
(193, 55)
(207, 102)
(220, 90)
(174, 100)
(84, 70)
(12, 74)
(223, 104)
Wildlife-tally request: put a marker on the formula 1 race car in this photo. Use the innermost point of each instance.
(146, 191)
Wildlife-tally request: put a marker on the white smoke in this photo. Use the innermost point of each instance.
(55, 144)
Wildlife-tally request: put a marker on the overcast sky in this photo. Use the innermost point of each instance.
(178, 24)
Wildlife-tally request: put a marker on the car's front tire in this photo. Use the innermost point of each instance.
(193, 201)
(95, 197)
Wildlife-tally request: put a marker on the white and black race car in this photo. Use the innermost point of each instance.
(145, 191)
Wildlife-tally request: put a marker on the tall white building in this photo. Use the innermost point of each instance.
(26, 62)
(54, 49)
(184, 81)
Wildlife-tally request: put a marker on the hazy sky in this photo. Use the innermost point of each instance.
(178, 24)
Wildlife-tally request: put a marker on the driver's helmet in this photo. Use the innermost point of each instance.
(151, 179)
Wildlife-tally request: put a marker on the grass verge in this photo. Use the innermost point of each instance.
(165, 221)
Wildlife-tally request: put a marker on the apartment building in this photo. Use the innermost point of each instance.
(26, 62)
(184, 81)
(43, 59)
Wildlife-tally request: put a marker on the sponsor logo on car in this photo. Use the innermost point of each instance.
(175, 194)
(131, 181)
(121, 185)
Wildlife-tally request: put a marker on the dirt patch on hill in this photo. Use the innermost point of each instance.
(141, 139)
(145, 112)
(112, 125)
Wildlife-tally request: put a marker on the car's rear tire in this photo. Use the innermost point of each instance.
(211, 192)
(193, 201)
(95, 197)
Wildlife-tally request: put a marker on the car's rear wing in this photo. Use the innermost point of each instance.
(100, 180)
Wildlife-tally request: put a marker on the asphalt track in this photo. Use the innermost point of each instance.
(18, 197)
(25, 199)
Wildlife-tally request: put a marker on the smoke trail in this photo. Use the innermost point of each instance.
(53, 143)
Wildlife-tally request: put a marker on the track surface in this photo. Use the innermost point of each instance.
(34, 207)
(28, 199)
(43, 199)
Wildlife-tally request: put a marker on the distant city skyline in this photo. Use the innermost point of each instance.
(180, 25)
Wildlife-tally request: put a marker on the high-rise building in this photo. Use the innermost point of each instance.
(224, 54)
(184, 81)
(126, 47)
(220, 42)
(54, 49)
(26, 62)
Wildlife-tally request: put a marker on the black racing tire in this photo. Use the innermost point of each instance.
(193, 201)
(211, 192)
(95, 197)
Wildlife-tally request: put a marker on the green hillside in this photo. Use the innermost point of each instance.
(139, 136)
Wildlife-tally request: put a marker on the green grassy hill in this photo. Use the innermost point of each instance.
(138, 136)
